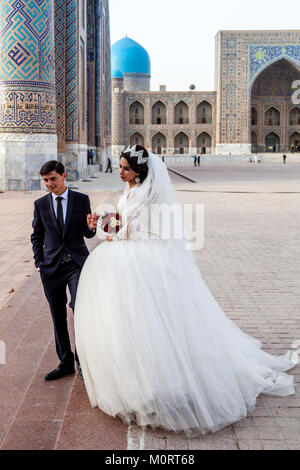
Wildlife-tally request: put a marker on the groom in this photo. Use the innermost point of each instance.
(61, 219)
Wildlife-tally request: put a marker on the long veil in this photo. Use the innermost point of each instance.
(153, 210)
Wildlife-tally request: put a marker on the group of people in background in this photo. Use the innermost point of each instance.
(197, 160)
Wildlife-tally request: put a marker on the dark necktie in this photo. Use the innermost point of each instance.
(60, 216)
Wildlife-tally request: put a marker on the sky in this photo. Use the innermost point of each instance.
(179, 35)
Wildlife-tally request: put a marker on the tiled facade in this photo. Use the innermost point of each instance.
(27, 72)
(242, 57)
(255, 71)
(157, 125)
(55, 68)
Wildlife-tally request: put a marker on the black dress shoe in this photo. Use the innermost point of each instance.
(60, 371)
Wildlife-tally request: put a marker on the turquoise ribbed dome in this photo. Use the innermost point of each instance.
(127, 56)
(116, 73)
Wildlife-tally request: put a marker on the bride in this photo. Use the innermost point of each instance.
(154, 346)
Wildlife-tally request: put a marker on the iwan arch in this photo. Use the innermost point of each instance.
(251, 109)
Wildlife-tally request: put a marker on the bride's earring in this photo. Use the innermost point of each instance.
(137, 179)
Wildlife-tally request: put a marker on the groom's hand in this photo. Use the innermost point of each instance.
(92, 220)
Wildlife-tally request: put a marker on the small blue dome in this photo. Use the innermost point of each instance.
(128, 56)
(116, 73)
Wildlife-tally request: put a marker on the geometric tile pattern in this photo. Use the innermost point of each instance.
(26, 36)
(27, 73)
(71, 71)
(60, 64)
(41, 84)
(98, 71)
(107, 90)
(24, 109)
(102, 74)
(241, 57)
(90, 71)
(260, 56)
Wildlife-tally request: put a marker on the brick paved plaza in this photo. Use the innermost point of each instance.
(250, 261)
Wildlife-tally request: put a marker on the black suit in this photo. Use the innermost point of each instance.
(51, 246)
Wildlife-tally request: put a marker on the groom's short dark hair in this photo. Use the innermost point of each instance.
(53, 165)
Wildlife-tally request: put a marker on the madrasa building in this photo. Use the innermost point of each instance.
(255, 106)
(55, 87)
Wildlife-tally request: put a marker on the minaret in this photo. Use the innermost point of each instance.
(118, 113)
(27, 92)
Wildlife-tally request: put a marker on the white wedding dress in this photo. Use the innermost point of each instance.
(155, 347)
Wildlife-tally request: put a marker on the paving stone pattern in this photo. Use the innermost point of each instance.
(250, 261)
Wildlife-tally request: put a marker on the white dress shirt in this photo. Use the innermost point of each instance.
(64, 203)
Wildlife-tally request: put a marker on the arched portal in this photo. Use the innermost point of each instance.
(204, 143)
(181, 143)
(159, 143)
(272, 117)
(204, 113)
(294, 142)
(272, 143)
(253, 142)
(136, 111)
(294, 116)
(159, 113)
(181, 113)
(137, 139)
(271, 99)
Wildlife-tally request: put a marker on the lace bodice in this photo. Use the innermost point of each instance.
(121, 208)
(127, 195)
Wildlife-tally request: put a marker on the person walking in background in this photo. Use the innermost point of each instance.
(195, 160)
(284, 158)
(199, 160)
(91, 157)
(109, 165)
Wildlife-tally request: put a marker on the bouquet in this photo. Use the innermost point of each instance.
(110, 223)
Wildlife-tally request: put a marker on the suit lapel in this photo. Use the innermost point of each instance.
(52, 214)
(69, 209)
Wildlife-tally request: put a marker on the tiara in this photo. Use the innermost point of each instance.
(136, 154)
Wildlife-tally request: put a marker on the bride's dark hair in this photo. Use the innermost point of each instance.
(142, 168)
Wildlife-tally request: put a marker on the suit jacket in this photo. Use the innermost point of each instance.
(49, 243)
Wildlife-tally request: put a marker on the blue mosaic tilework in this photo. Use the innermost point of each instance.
(27, 41)
(60, 63)
(71, 71)
(90, 74)
(262, 56)
(22, 109)
(98, 77)
(27, 72)
(107, 72)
